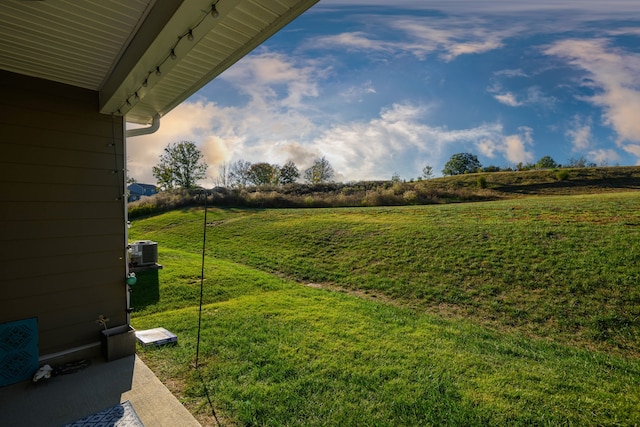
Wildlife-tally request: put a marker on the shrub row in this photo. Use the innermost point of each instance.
(306, 195)
(458, 188)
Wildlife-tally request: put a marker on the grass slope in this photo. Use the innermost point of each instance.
(549, 182)
(495, 309)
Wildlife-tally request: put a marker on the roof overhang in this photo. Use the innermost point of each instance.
(144, 57)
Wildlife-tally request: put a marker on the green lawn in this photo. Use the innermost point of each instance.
(519, 312)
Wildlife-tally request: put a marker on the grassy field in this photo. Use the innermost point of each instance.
(519, 312)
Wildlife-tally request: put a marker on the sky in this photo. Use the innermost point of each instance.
(386, 88)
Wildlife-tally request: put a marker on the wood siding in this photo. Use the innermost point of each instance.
(62, 222)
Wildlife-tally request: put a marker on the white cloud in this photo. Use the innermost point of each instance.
(356, 94)
(614, 74)
(580, 134)
(356, 40)
(516, 146)
(509, 99)
(450, 37)
(366, 149)
(265, 76)
(604, 157)
(533, 96)
(376, 148)
(397, 140)
(488, 148)
(512, 148)
(511, 73)
(624, 31)
(610, 7)
(447, 37)
(471, 47)
(633, 149)
(458, 29)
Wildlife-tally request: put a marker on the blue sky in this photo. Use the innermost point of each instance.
(380, 88)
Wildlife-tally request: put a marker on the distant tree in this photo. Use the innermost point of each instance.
(289, 173)
(321, 171)
(239, 173)
(264, 174)
(222, 180)
(130, 179)
(395, 177)
(580, 162)
(427, 172)
(546, 162)
(462, 163)
(491, 169)
(181, 166)
(525, 166)
(164, 177)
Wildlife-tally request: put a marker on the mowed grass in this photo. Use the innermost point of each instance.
(501, 313)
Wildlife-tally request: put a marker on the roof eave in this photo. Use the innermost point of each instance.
(126, 93)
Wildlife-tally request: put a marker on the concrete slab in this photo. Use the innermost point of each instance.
(154, 403)
(67, 398)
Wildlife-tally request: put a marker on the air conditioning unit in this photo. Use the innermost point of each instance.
(144, 252)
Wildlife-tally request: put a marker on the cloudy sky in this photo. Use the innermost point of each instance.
(384, 88)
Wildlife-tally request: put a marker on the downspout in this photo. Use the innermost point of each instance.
(130, 133)
(155, 125)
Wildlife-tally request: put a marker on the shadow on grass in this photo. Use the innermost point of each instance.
(568, 185)
(146, 291)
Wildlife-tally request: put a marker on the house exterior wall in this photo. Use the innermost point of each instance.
(62, 212)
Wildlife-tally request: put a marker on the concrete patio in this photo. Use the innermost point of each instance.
(67, 398)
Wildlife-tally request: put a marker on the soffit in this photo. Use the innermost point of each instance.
(71, 42)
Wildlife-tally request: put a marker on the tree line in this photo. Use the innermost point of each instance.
(242, 173)
(462, 163)
(182, 165)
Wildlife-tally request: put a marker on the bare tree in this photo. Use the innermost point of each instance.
(580, 162)
(222, 180)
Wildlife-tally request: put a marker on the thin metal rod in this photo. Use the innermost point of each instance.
(204, 243)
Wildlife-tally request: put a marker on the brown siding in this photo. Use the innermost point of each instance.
(62, 223)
